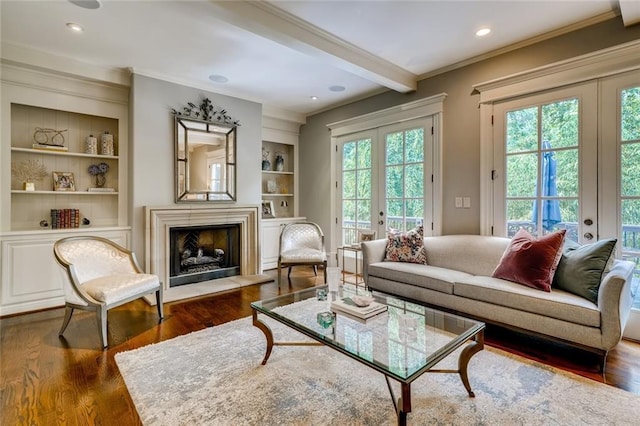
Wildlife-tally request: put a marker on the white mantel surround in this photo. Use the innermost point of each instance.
(160, 219)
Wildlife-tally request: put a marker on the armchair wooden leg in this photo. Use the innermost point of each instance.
(101, 314)
(159, 303)
(315, 270)
(279, 273)
(67, 317)
(324, 265)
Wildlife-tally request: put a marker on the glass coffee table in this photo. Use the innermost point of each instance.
(403, 342)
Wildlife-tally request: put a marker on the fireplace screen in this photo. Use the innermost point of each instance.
(203, 253)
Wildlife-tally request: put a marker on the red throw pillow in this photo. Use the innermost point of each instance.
(530, 261)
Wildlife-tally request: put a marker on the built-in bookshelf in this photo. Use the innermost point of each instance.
(278, 178)
(31, 209)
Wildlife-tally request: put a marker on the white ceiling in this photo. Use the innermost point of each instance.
(281, 53)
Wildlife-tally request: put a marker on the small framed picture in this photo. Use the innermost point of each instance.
(366, 235)
(267, 209)
(63, 181)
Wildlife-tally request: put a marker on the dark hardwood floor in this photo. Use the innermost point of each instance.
(48, 380)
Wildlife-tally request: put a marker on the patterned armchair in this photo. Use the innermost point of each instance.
(100, 275)
(301, 243)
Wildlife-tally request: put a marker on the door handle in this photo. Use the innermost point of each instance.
(588, 236)
(381, 222)
(588, 222)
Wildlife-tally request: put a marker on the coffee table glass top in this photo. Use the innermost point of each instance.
(403, 342)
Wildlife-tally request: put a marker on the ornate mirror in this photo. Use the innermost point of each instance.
(205, 160)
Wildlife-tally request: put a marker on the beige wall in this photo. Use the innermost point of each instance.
(461, 133)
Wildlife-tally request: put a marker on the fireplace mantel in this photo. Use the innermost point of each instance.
(160, 219)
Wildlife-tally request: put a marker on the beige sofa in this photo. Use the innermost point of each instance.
(458, 278)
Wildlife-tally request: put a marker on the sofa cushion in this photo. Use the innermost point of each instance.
(474, 254)
(581, 268)
(531, 261)
(556, 304)
(406, 247)
(426, 276)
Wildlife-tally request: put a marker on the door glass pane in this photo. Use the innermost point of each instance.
(630, 173)
(522, 175)
(522, 130)
(630, 113)
(560, 123)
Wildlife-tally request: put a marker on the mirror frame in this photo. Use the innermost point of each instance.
(184, 193)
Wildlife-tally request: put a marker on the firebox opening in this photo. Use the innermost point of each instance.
(203, 253)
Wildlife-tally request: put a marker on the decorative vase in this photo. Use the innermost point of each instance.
(266, 164)
(29, 186)
(91, 145)
(100, 180)
(106, 143)
(279, 163)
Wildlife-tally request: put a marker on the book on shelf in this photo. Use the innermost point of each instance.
(348, 306)
(101, 189)
(65, 218)
(50, 147)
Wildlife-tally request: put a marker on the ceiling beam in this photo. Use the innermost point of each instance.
(264, 19)
(630, 11)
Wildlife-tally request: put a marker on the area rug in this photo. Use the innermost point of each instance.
(214, 377)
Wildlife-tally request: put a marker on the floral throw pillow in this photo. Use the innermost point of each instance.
(406, 247)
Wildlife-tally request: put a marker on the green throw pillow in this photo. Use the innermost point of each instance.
(581, 268)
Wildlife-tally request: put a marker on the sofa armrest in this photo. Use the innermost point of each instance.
(372, 252)
(614, 302)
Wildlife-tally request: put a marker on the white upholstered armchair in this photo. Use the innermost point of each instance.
(100, 275)
(301, 243)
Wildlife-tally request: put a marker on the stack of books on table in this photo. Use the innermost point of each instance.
(49, 147)
(348, 306)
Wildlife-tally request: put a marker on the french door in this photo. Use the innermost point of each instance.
(385, 179)
(545, 164)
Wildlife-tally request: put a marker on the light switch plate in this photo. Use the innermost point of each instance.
(466, 202)
(458, 202)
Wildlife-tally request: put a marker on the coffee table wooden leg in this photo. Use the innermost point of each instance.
(404, 404)
(268, 334)
(465, 357)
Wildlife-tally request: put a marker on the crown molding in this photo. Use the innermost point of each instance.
(44, 61)
(269, 21)
(602, 63)
(395, 114)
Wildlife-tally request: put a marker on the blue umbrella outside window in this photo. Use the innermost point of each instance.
(550, 207)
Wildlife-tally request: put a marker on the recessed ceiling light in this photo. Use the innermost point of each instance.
(337, 88)
(87, 4)
(216, 78)
(483, 32)
(75, 27)
(314, 98)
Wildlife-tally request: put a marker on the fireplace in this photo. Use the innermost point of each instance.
(241, 222)
(202, 253)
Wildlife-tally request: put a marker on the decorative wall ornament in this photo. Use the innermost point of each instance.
(206, 111)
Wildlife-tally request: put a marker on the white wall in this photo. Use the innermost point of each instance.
(151, 142)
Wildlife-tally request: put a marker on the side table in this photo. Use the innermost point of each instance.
(359, 279)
